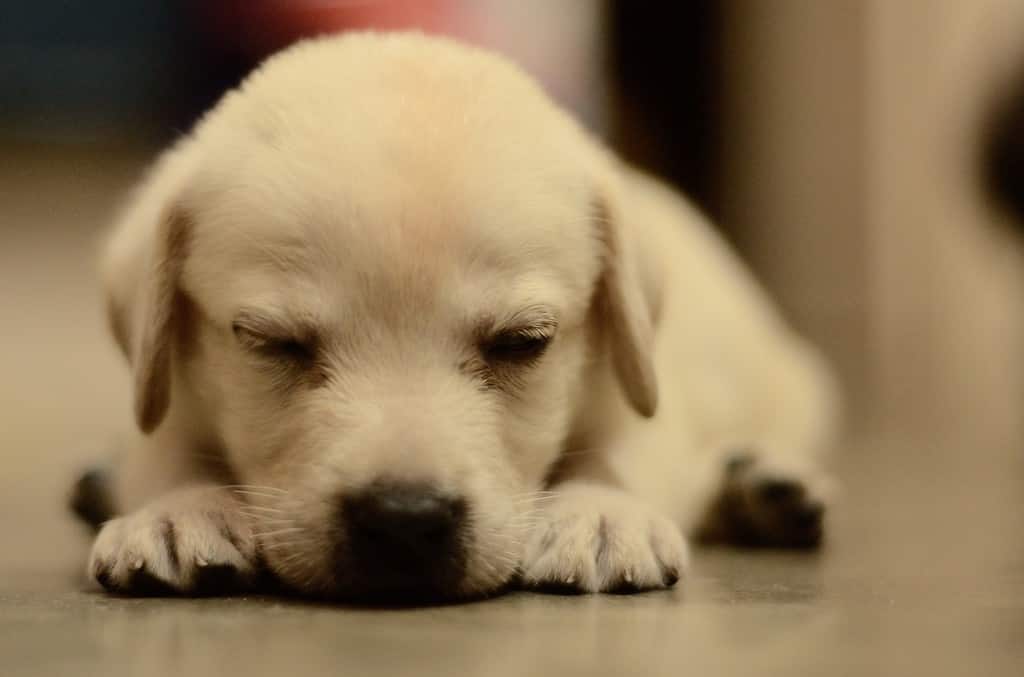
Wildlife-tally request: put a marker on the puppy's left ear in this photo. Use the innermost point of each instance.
(628, 312)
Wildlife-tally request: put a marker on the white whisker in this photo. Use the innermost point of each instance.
(265, 509)
(260, 487)
(277, 532)
(280, 546)
(254, 492)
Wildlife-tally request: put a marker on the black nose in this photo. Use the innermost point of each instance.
(403, 535)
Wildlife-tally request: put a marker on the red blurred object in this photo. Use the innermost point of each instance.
(258, 27)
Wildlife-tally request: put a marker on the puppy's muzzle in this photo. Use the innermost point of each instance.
(402, 538)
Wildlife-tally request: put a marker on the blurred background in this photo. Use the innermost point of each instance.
(865, 157)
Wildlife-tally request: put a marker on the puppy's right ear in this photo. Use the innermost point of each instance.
(144, 271)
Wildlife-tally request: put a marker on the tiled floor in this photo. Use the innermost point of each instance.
(923, 574)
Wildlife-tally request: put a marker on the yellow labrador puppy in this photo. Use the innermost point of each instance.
(399, 326)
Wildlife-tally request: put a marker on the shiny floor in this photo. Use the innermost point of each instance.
(923, 572)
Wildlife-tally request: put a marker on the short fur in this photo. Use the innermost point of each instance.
(389, 200)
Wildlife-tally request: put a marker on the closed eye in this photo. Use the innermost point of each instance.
(516, 346)
(281, 348)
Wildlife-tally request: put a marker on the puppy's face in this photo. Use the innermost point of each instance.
(388, 318)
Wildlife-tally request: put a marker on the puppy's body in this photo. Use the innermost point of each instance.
(389, 266)
(733, 379)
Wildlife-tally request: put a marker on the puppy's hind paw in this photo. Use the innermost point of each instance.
(760, 506)
(91, 499)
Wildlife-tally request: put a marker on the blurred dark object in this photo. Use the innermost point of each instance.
(1004, 152)
(664, 66)
(105, 70)
(85, 70)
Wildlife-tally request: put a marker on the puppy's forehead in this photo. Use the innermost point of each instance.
(404, 230)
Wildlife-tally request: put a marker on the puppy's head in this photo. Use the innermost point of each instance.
(382, 287)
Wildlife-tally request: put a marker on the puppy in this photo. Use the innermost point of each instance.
(398, 326)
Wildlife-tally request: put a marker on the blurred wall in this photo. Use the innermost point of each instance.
(947, 283)
(851, 132)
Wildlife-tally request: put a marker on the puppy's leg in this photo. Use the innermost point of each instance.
(193, 540)
(595, 537)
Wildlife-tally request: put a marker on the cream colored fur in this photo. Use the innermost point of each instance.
(394, 193)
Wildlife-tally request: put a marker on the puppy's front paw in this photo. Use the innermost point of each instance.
(191, 542)
(593, 539)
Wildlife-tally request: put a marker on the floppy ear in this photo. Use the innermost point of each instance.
(627, 312)
(156, 318)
